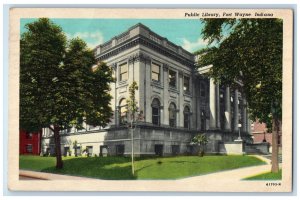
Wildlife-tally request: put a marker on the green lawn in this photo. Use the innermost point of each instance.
(119, 168)
(266, 176)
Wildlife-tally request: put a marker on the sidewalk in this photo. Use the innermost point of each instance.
(32, 175)
(234, 174)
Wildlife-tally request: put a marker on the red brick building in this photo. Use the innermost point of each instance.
(260, 133)
(30, 142)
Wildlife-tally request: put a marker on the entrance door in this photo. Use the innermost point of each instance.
(158, 149)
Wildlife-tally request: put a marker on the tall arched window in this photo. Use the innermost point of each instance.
(186, 117)
(155, 111)
(172, 115)
(123, 111)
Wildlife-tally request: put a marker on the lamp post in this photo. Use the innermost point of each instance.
(239, 125)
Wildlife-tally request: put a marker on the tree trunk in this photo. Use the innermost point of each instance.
(132, 149)
(275, 165)
(59, 163)
(41, 148)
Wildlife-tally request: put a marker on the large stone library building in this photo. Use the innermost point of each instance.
(176, 100)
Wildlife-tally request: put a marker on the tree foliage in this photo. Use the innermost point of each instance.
(59, 88)
(200, 140)
(250, 51)
(131, 101)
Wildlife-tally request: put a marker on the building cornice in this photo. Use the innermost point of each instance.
(140, 40)
(142, 35)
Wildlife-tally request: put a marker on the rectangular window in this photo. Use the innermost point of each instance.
(28, 135)
(186, 84)
(123, 72)
(155, 72)
(103, 150)
(175, 150)
(120, 149)
(29, 148)
(172, 78)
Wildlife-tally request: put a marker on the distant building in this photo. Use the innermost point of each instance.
(175, 100)
(30, 142)
(261, 134)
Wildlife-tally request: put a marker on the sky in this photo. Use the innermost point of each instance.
(182, 32)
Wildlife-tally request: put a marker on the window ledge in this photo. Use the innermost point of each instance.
(156, 84)
(122, 84)
(172, 89)
(188, 94)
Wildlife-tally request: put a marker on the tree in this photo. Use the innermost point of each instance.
(249, 51)
(132, 110)
(201, 141)
(59, 88)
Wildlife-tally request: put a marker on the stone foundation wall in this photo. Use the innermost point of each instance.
(148, 141)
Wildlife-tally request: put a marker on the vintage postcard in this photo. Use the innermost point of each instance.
(186, 100)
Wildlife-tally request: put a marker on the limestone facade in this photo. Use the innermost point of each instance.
(175, 100)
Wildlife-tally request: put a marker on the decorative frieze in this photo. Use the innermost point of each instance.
(139, 57)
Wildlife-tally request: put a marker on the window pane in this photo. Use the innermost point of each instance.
(28, 135)
(155, 68)
(186, 84)
(123, 72)
(123, 68)
(155, 111)
(172, 78)
(155, 120)
(186, 109)
(29, 148)
(124, 76)
(123, 111)
(155, 103)
(155, 76)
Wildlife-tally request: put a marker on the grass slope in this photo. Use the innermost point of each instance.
(119, 168)
(266, 176)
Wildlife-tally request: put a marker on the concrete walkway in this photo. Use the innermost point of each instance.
(32, 175)
(235, 174)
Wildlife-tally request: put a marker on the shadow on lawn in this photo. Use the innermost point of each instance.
(112, 168)
(181, 162)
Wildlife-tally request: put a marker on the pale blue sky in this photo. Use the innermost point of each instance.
(183, 32)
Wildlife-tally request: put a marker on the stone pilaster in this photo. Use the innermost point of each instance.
(212, 104)
(180, 99)
(244, 115)
(165, 113)
(227, 110)
(236, 111)
(218, 124)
